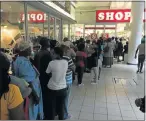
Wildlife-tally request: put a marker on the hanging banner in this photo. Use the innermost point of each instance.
(123, 15)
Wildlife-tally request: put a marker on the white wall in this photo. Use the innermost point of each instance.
(86, 17)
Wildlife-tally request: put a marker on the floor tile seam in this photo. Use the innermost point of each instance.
(71, 101)
(130, 103)
(106, 100)
(118, 102)
(82, 102)
(95, 100)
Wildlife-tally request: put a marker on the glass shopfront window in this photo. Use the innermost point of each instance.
(65, 29)
(45, 26)
(12, 28)
(72, 32)
(58, 30)
(52, 29)
(36, 19)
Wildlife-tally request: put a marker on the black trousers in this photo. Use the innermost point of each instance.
(141, 59)
(80, 72)
(56, 103)
(44, 81)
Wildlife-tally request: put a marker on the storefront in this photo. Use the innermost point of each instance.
(120, 17)
(115, 22)
(43, 19)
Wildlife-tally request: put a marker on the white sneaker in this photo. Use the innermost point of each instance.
(93, 82)
(80, 85)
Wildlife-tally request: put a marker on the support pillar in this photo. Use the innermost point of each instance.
(136, 30)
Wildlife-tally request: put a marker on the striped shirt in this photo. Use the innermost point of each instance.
(69, 71)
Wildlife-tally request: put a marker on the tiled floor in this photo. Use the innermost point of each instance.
(112, 98)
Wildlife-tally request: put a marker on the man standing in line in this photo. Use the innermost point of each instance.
(41, 62)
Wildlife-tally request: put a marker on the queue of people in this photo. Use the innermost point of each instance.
(39, 86)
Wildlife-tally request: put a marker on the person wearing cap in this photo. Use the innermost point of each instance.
(41, 62)
(11, 100)
(23, 68)
(141, 55)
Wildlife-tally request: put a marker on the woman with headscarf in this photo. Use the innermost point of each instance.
(11, 100)
(108, 53)
(23, 68)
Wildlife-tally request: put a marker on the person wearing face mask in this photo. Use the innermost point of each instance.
(23, 68)
(41, 62)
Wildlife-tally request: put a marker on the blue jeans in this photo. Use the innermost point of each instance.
(67, 101)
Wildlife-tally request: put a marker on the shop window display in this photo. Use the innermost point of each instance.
(58, 33)
(36, 19)
(72, 32)
(52, 29)
(12, 29)
(65, 30)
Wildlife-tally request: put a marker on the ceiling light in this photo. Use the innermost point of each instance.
(5, 26)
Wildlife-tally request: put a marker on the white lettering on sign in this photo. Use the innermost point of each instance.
(110, 16)
(32, 16)
(39, 17)
(119, 15)
(35, 17)
(127, 15)
(45, 17)
(122, 15)
(101, 16)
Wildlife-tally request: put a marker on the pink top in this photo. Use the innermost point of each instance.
(80, 58)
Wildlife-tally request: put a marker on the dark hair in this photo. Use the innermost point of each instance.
(52, 43)
(44, 42)
(116, 38)
(58, 51)
(109, 40)
(4, 76)
(113, 38)
(65, 39)
(25, 53)
(82, 40)
(87, 41)
(127, 42)
(81, 47)
(64, 48)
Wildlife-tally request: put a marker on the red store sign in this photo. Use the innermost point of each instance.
(121, 15)
(35, 17)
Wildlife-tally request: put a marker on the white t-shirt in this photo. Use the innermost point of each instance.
(58, 68)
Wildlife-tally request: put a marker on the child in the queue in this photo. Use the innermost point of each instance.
(11, 100)
(80, 62)
(57, 84)
(69, 79)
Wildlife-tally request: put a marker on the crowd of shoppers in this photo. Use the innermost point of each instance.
(40, 84)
